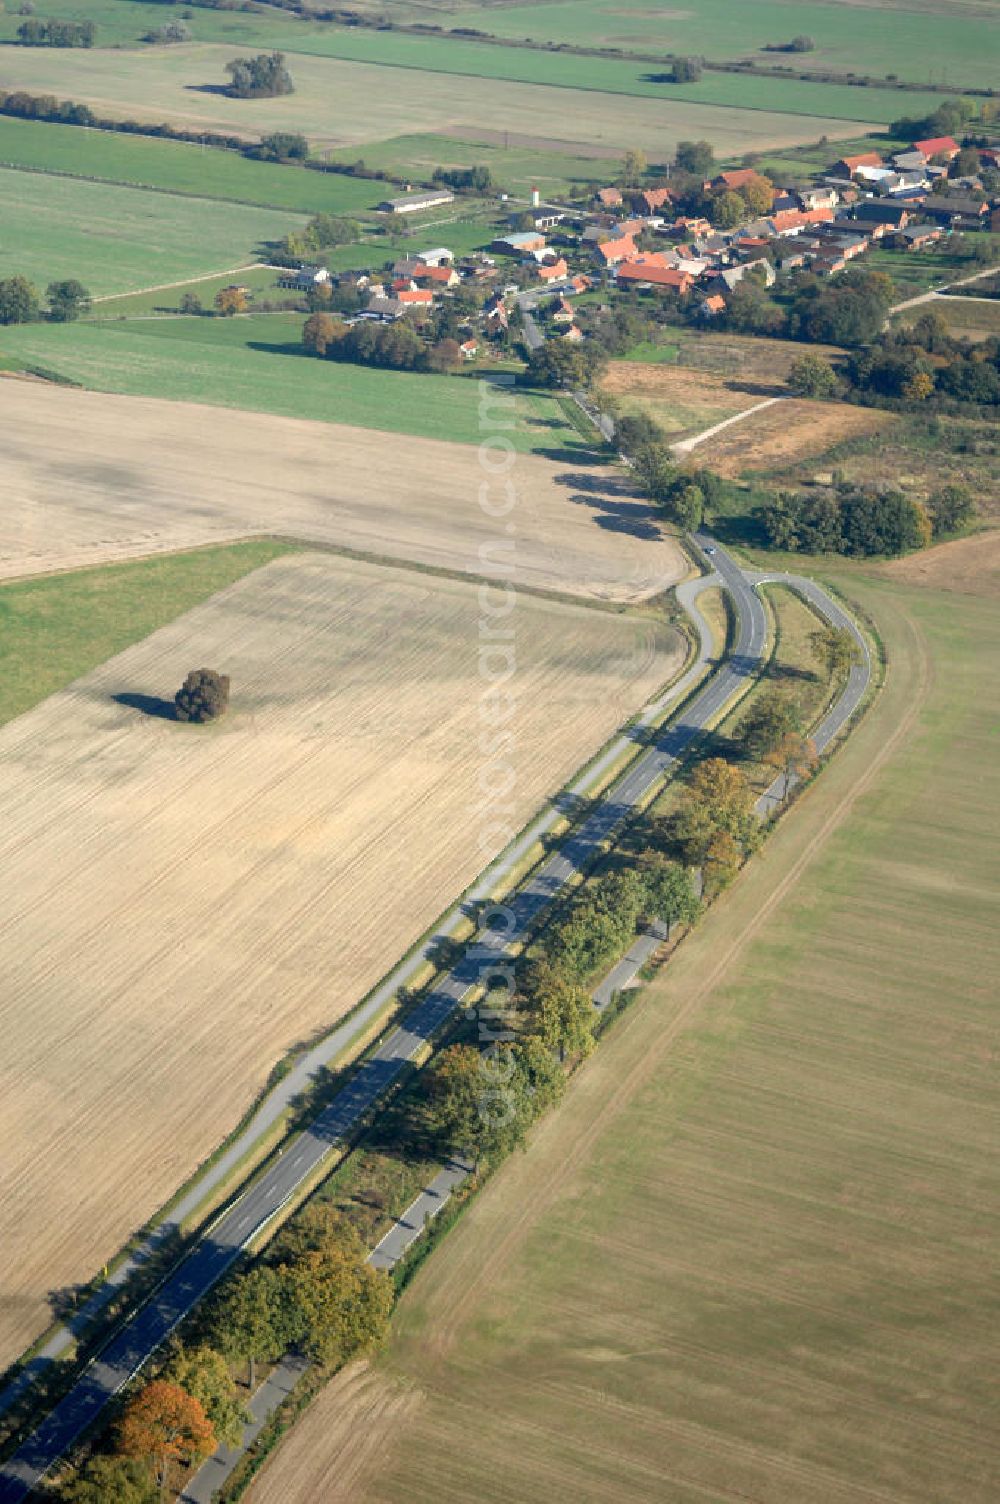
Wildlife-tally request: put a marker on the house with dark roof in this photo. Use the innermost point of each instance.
(958, 211)
(882, 212)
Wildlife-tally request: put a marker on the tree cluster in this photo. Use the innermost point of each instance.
(465, 179)
(322, 233)
(797, 44)
(37, 33)
(922, 361)
(950, 118)
(20, 302)
(393, 347)
(558, 364)
(283, 146)
(683, 70)
(262, 77)
(601, 924)
(313, 1292)
(169, 34)
(848, 310)
(715, 826)
(859, 521)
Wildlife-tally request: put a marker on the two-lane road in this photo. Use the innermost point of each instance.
(222, 1243)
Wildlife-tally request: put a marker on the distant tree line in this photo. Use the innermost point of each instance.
(465, 179)
(847, 519)
(393, 347)
(20, 302)
(38, 33)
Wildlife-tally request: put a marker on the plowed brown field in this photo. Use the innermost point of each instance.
(183, 904)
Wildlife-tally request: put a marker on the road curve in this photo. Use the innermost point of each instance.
(225, 1239)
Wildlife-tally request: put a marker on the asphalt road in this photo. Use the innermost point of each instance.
(225, 1239)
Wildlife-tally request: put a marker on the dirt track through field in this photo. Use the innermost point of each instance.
(91, 478)
(182, 904)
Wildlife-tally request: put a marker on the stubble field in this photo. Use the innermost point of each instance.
(339, 103)
(750, 1256)
(184, 904)
(95, 479)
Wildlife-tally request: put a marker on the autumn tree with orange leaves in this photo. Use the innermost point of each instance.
(794, 756)
(163, 1424)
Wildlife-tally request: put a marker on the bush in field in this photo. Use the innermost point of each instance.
(203, 696)
(262, 77)
(166, 36)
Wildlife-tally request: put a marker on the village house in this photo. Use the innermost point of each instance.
(879, 212)
(655, 198)
(644, 273)
(735, 180)
(573, 334)
(553, 271)
(469, 349)
(519, 243)
(847, 167)
(818, 197)
(963, 212)
(937, 146)
(711, 307)
(611, 252)
(563, 312)
(439, 256)
(611, 198)
(305, 279)
(415, 203)
(436, 277)
(417, 297)
(909, 161)
(917, 237)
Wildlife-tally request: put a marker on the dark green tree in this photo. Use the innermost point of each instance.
(203, 696)
(18, 301)
(67, 300)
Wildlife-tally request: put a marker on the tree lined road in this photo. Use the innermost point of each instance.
(229, 1235)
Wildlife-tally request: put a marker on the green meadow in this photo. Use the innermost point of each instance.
(122, 239)
(605, 75)
(257, 362)
(56, 628)
(179, 167)
(514, 166)
(923, 41)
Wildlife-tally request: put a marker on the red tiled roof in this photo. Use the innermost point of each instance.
(433, 274)
(739, 178)
(422, 295)
(624, 249)
(866, 159)
(659, 276)
(935, 146)
(552, 269)
(610, 196)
